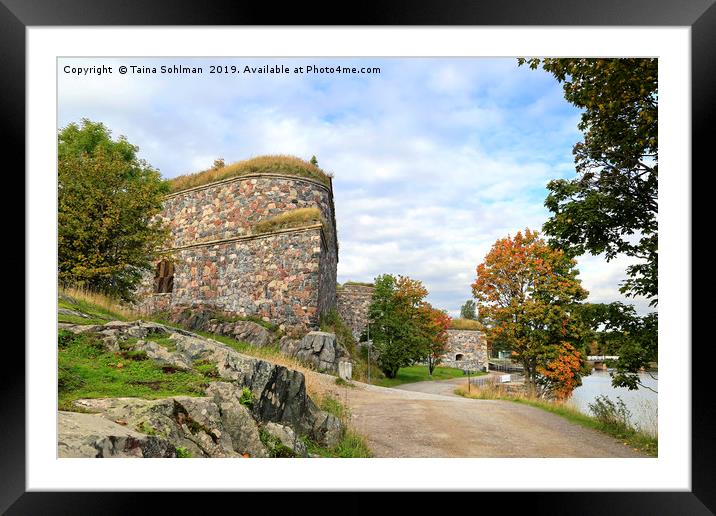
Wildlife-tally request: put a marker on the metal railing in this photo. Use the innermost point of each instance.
(505, 367)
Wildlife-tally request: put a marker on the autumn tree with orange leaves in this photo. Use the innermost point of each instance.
(434, 326)
(527, 292)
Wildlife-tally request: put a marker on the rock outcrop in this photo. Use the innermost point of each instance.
(207, 320)
(90, 435)
(213, 426)
(317, 348)
(217, 425)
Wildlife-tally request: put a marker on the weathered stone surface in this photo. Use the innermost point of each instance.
(206, 320)
(288, 278)
(279, 394)
(466, 348)
(162, 355)
(352, 302)
(245, 331)
(288, 346)
(288, 438)
(89, 435)
(319, 349)
(327, 429)
(213, 426)
(232, 208)
(67, 311)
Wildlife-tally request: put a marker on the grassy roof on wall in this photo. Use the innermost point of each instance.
(465, 324)
(278, 164)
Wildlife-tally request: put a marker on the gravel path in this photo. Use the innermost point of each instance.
(426, 419)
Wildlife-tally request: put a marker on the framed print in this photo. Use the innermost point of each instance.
(338, 216)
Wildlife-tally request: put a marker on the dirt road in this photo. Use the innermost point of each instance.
(427, 420)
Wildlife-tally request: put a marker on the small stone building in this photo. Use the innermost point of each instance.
(466, 348)
(237, 246)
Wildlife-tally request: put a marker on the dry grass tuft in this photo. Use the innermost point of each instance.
(466, 324)
(106, 303)
(356, 283)
(290, 219)
(280, 164)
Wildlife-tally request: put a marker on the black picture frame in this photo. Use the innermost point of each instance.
(700, 15)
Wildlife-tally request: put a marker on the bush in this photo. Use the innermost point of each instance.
(610, 413)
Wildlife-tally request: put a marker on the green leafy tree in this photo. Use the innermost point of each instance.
(108, 200)
(468, 310)
(618, 330)
(611, 207)
(397, 322)
(314, 161)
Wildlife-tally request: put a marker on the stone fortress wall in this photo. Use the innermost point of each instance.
(286, 276)
(352, 302)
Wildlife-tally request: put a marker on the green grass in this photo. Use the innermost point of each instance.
(183, 453)
(87, 370)
(417, 373)
(103, 315)
(351, 444)
(219, 316)
(274, 446)
(97, 314)
(637, 440)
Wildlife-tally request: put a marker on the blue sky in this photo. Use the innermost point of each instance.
(433, 159)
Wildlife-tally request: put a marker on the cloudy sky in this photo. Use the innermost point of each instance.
(433, 159)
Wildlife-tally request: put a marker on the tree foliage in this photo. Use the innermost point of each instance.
(528, 292)
(618, 330)
(404, 328)
(107, 201)
(468, 310)
(434, 325)
(611, 207)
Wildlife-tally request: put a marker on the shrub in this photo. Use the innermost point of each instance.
(610, 413)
